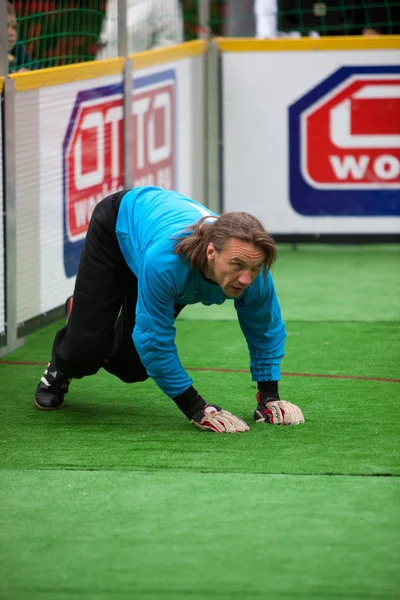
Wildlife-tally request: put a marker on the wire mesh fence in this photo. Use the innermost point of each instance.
(48, 33)
(57, 32)
(332, 17)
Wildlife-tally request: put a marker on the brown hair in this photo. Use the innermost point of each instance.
(239, 225)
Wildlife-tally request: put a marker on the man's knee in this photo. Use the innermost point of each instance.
(132, 378)
(80, 357)
(126, 372)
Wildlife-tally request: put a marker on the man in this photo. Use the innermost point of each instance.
(149, 24)
(149, 252)
(18, 59)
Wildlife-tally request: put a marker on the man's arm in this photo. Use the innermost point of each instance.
(154, 339)
(261, 321)
(154, 332)
(168, 23)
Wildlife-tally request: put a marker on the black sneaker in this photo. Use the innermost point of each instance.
(50, 392)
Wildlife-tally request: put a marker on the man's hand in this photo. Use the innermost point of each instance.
(213, 418)
(277, 412)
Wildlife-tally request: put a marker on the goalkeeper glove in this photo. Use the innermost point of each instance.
(213, 418)
(277, 412)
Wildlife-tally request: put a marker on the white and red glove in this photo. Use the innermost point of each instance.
(213, 418)
(277, 412)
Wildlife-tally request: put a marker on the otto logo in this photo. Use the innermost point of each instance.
(93, 150)
(93, 160)
(345, 144)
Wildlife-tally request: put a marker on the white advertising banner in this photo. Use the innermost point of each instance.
(167, 110)
(312, 140)
(80, 163)
(71, 156)
(2, 274)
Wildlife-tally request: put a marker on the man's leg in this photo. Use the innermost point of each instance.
(80, 347)
(124, 361)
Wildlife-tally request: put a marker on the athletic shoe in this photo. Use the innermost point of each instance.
(50, 392)
(53, 385)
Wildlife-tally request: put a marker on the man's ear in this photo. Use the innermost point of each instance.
(210, 251)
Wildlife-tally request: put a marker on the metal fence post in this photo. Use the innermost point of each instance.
(212, 107)
(128, 125)
(10, 223)
(3, 73)
(127, 93)
(213, 135)
(122, 29)
(203, 18)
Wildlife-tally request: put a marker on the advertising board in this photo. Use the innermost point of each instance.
(312, 140)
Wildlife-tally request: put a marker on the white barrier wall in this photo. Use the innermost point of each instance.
(311, 144)
(311, 134)
(70, 156)
(2, 244)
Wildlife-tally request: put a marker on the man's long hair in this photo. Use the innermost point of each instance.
(193, 242)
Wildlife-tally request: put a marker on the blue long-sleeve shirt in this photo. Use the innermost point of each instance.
(149, 221)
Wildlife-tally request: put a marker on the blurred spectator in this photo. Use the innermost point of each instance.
(308, 17)
(150, 24)
(18, 59)
(60, 32)
(382, 17)
(266, 15)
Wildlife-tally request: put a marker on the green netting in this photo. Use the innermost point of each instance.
(342, 17)
(59, 32)
(271, 18)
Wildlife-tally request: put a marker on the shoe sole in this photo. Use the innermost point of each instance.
(47, 407)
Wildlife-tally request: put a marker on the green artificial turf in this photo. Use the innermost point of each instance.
(110, 535)
(118, 496)
(107, 424)
(329, 283)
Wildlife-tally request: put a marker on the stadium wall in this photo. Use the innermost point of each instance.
(235, 124)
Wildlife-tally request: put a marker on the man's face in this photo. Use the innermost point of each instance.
(11, 31)
(235, 267)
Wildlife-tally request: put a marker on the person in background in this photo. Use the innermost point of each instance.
(383, 18)
(291, 18)
(18, 58)
(150, 24)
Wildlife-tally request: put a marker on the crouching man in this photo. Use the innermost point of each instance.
(148, 253)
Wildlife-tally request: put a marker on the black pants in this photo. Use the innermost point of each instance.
(99, 330)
